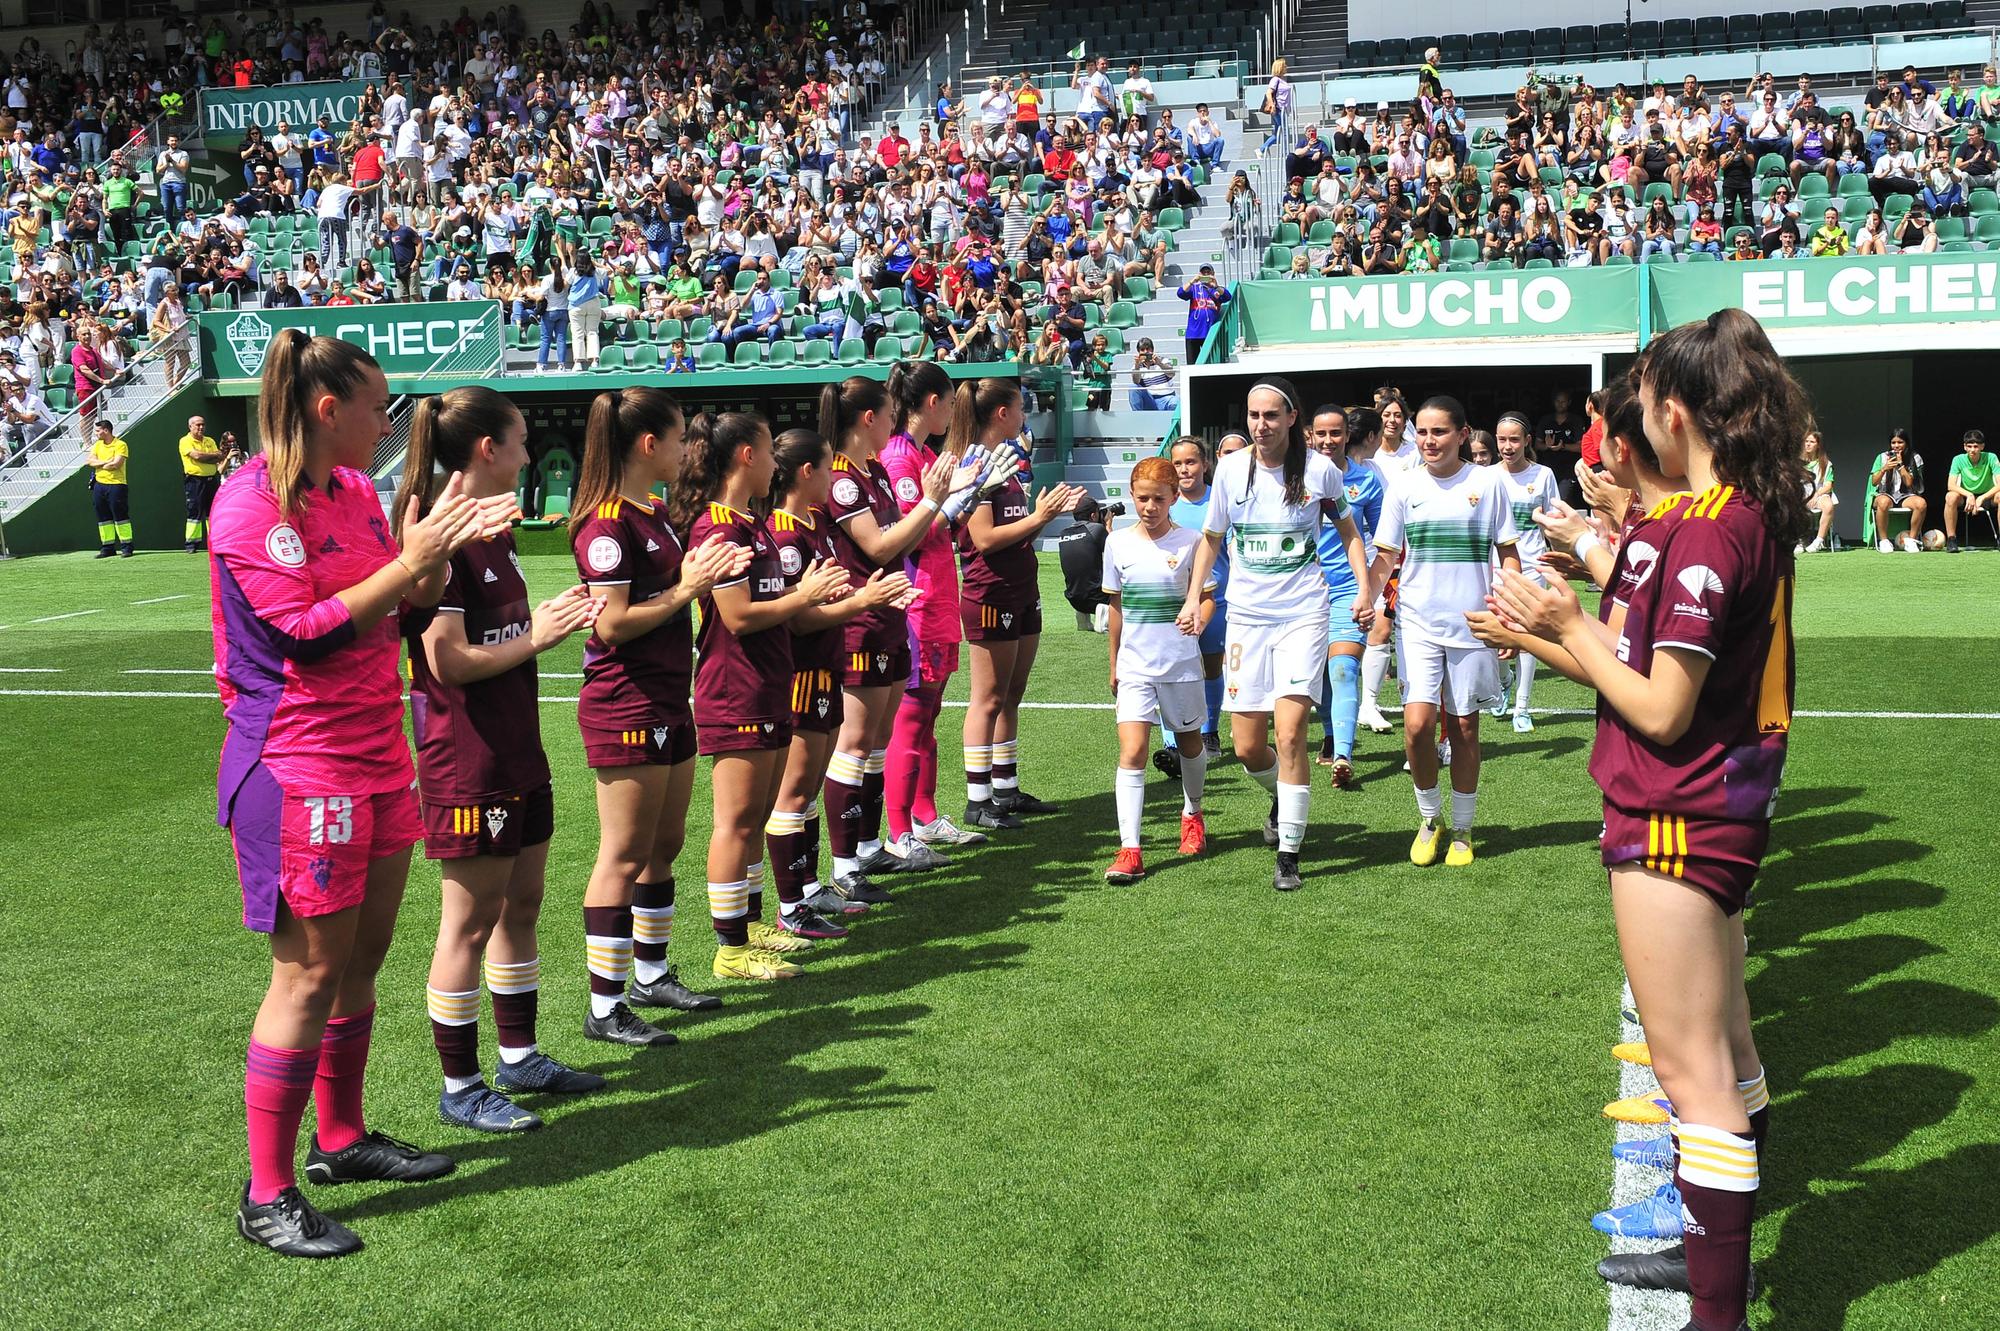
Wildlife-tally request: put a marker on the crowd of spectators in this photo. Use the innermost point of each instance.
(1577, 178)
(648, 177)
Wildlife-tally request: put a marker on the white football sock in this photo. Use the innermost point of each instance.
(1194, 775)
(1268, 778)
(1430, 803)
(1464, 804)
(1374, 669)
(1131, 798)
(1293, 804)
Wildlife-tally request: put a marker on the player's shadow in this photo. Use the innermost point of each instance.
(732, 1083)
(1822, 998)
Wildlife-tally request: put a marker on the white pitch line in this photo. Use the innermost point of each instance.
(100, 693)
(74, 614)
(209, 671)
(155, 600)
(30, 670)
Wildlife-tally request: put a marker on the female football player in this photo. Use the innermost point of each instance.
(1334, 430)
(870, 532)
(1001, 605)
(481, 773)
(315, 778)
(1155, 668)
(1394, 453)
(1531, 489)
(1695, 699)
(801, 476)
(1193, 471)
(743, 677)
(921, 393)
(1270, 500)
(1442, 526)
(638, 730)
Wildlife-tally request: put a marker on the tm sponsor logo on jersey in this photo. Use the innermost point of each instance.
(1698, 580)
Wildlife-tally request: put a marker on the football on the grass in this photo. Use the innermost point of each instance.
(1933, 540)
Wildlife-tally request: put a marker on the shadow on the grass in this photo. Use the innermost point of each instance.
(716, 1088)
(1823, 1000)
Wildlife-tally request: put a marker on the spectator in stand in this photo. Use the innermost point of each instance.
(1204, 139)
(1278, 95)
(1977, 162)
(1944, 183)
(1205, 300)
(170, 171)
(1896, 170)
(1155, 382)
(1970, 489)
(1917, 233)
(1830, 239)
(1896, 482)
(1873, 235)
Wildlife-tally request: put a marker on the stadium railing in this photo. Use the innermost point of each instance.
(55, 455)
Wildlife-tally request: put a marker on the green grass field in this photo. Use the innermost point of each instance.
(1018, 1097)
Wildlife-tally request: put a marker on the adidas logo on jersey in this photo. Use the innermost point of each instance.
(851, 814)
(1688, 1225)
(801, 864)
(329, 546)
(496, 818)
(651, 545)
(491, 576)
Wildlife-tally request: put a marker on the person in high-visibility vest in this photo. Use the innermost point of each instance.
(108, 492)
(201, 477)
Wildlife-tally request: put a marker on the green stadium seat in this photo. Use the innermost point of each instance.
(1854, 186)
(905, 323)
(888, 351)
(1983, 201)
(816, 351)
(852, 352)
(1813, 186)
(712, 356)
(1701, 256)
(646, 356)
(670, 329)
(1122, 314)
(782, 353)
(749, 354)
(611, 359)
(1173, 219)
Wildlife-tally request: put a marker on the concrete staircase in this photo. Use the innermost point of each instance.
(1318, 40)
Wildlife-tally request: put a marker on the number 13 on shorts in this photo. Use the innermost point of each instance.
(330, 820)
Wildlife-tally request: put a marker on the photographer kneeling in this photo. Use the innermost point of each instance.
(1080, 552)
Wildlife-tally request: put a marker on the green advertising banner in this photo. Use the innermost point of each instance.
(1807, 293)
(227, 113)
(441, 339)
(1555, 302)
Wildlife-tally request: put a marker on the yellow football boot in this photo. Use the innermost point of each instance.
(1639, 1108)
(1424, 850)
(769, 938)
(749, 963)
(1459, 854)
(1639, 1052)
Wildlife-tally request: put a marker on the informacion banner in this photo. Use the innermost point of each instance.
(228, 113)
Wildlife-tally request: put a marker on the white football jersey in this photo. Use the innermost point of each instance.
(1274, 575)
(1446, 530)
(1531, 490)
(1150, 579)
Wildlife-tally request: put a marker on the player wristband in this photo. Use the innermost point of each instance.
(927, 504)
(1585, 544)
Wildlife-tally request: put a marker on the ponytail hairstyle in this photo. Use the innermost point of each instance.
(1295, 446)
(1745, 404)
(791, 453)
(712, 441)
(442, 435)
(841, 406)
(974, 403)
(1625, 419)
(910, 383)
(1528, 426)
(298, 369)
(617, 420)
(1363, 424)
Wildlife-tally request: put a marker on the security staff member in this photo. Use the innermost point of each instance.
(109, 492)
(201, 477)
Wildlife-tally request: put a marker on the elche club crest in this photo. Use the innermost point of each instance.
(496, 818)
(249, 336)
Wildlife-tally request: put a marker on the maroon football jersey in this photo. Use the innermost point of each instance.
(1638, 547)
(740, 678)
(634, 683)
(482, 740)
(801, 540)
(1722, 586)
(864, 488)
(1004, 577)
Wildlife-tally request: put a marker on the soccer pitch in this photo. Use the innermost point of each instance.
(1019, 1097)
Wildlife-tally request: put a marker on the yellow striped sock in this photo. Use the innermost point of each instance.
(652, 924)
(845, 768)
(782, 823)
(1756, 1094)
(452, 1007)
(608, 958)
(728, 901)
(878, 762)
(513, 977)
(1713, 1158)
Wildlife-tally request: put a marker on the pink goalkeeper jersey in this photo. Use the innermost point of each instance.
(933, 566)
(320, 705)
